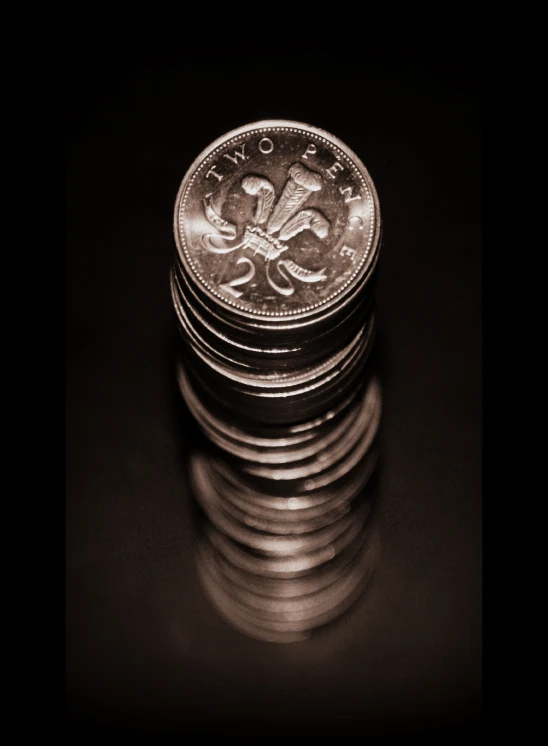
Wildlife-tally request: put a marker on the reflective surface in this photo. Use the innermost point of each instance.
(145, 651)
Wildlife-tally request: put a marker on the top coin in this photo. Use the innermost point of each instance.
(277, 220)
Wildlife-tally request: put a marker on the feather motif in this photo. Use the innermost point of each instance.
(264, 189)
(306, 219)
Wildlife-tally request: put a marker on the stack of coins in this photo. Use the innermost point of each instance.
(278, 230)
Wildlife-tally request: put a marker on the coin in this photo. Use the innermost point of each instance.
(277, 220)
(292, 345)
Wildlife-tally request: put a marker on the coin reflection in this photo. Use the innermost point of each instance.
(277, 567)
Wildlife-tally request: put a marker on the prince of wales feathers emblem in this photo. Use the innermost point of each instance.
(282, 217)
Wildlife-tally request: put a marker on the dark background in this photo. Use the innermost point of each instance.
(144, 650)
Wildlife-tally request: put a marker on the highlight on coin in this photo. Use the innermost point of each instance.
(278, 230)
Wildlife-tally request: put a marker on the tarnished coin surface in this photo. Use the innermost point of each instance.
(277, 220)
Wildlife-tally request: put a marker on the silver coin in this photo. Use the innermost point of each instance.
(269, 188)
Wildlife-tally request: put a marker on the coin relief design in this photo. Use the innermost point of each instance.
(282, 217)
(276, 220)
